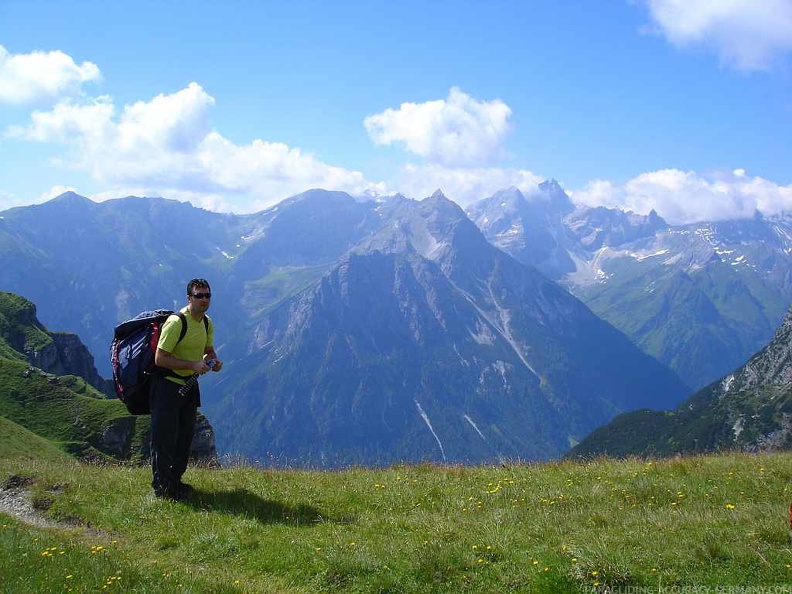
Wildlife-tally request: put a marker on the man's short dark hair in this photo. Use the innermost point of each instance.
(197, 282)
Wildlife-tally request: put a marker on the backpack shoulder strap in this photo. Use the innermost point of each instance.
(183, 326)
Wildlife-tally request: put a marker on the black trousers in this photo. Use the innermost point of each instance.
(172, 428)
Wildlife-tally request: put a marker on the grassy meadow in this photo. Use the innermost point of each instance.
(700, 524)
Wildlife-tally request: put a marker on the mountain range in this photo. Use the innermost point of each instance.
(701, 298)
(425, 342)
(373, 332)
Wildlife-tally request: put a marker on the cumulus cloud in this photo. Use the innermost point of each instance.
(54, 192)
(10, 200)
(167, 147)
(463, 186)
(682, 197)
(746, 34)
(42, 76)
(454, 132)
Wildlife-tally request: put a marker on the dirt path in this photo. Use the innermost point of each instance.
(15, 501)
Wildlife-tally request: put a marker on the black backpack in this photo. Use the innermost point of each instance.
(132, 356)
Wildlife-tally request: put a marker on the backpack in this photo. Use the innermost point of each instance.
(132, 356)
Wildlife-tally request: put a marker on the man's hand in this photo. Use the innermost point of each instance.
(200, 367)
(210, 355)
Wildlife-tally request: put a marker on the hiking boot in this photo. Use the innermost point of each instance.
(183, 490)
(168, 493)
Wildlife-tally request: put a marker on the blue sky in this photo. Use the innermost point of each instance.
(684, 106)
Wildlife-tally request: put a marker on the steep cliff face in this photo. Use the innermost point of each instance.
(67, 355)
(771, 366)
(59, 353)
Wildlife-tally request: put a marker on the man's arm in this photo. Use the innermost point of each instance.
(168, 361)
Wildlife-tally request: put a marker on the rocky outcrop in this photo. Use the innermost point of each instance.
(67, 355)
(203, 451)
(771, 366)
(117, 438)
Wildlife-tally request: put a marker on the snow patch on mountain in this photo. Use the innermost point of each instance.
(483, 334)
(674, 259)
(727, 382)
(737, 428)
(641, 257)
(585, 273)
(500, 367)
(423, 242)
(513, 231)
(425, 417)
(475, 428)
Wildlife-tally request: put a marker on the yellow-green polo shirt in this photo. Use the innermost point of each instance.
(192, 347)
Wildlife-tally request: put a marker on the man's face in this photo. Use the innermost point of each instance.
(199, 299)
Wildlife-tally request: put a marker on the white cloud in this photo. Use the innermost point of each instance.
(54, 192)
(458, 131)
(67, 122)
(686, 197)
(166, 147)
(40, 76)
(747, 34)
(463, 186)
(10, 200)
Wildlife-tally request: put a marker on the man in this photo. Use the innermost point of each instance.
(173, 411)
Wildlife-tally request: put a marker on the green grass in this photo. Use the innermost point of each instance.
(68, 412)
(710, 521)
(264, 294)
(16, 441)
(14, 321)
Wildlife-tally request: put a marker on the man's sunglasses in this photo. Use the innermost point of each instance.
(202, 295)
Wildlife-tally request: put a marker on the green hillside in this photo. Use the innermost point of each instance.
(734, 421)
(749, 410)
(65, 411)
(715, 523)
(68, 412)
(15, 334)
(18, 442)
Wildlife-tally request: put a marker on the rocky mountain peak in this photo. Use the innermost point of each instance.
(559, 200)
(71, 198)
(551, 186)
(510, 198)
(599, 226)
